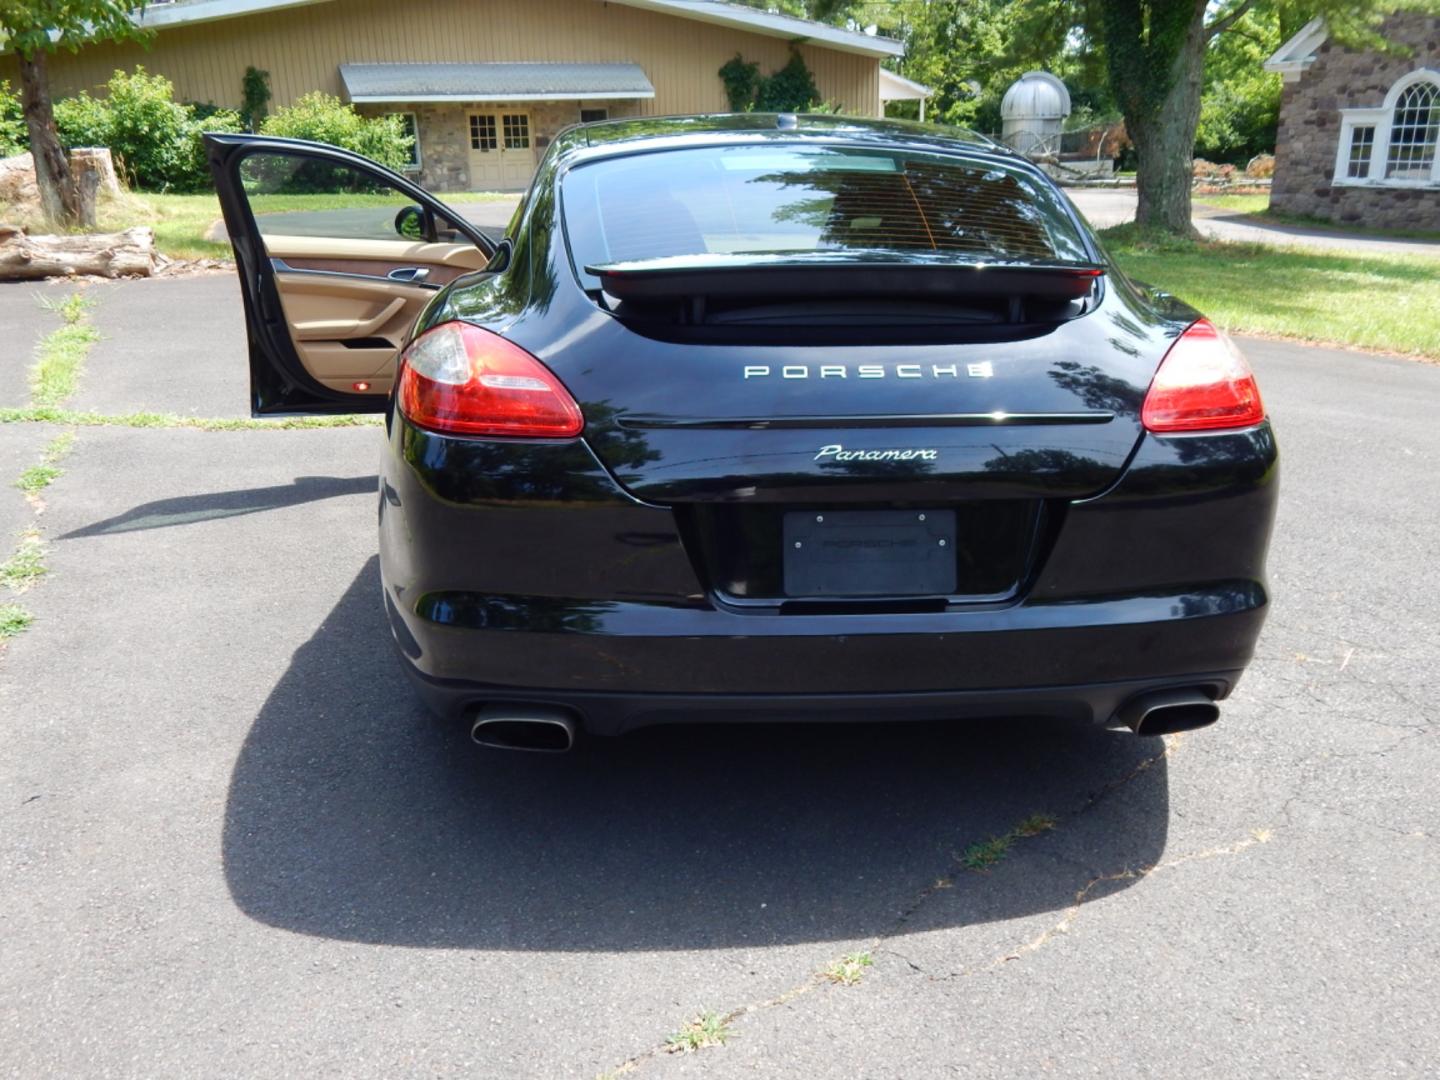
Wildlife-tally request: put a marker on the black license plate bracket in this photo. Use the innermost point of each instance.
(858, 553)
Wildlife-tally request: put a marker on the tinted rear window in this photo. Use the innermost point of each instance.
(786, 199)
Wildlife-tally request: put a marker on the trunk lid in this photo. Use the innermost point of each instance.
(836, 411)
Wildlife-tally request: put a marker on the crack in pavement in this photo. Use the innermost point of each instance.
(1257, 836)
(818, 981)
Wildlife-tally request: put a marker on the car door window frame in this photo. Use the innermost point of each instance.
(280, 382)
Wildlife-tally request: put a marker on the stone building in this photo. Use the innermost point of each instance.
(1359, 129)
(484, 84)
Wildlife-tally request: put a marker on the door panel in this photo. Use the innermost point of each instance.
(337, 257)
(376, 258)
(348, 329)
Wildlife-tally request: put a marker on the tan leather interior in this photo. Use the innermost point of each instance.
(346, 319)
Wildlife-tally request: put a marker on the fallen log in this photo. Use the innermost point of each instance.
(124, 254)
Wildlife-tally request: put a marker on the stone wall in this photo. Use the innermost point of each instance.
(1340, 78)
(445, 132)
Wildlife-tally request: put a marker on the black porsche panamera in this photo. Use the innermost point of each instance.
(759, 418)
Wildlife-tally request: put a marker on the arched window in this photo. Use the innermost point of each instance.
(1397, 144)
(1414, 130)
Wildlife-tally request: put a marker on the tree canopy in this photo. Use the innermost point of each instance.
(33, 29)
(34, 26)
(1183, 73)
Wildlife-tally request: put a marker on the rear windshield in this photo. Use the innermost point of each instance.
(789, 199)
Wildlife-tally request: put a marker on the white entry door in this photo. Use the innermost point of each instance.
(502, 155)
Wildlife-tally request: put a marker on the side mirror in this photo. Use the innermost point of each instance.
(501, 259)
(410, 223)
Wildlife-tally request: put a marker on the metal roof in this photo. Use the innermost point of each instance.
(493, 82)
(719, 12)
(895, 87)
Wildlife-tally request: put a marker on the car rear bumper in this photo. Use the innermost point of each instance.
(633, 664)
(618, 713)
(526, 574)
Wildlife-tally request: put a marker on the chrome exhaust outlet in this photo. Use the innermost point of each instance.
(1168, 711)
(524, 727)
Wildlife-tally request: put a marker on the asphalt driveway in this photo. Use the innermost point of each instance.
(1105, 207)
(232, 844)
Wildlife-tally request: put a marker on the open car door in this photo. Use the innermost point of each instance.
(336, 255)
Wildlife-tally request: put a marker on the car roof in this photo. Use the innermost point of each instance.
(606, 137)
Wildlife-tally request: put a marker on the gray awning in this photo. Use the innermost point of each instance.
(493, 82)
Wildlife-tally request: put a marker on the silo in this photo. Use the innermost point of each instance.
(1033, 112)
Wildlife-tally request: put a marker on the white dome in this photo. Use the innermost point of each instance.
(1036, 95)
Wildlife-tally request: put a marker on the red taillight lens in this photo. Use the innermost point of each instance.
(1203, 384)
(460, 379)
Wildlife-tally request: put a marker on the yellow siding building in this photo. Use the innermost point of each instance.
(486, 83)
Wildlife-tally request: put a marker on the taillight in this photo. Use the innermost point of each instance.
(460, 379)
(1204, 384)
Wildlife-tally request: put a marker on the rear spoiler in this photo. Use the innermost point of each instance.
(786, 278)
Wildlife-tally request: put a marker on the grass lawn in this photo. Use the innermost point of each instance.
(181, 222)
(1389, 302)
(1242, 204)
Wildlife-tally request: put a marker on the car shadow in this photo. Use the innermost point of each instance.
(186, 509)
(354, 815)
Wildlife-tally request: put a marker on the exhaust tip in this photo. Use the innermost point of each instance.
(1168, 712)
(509, 727)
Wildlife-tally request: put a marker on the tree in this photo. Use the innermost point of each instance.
(34, 29)
(1240, 108)
(1151, 54)
(967, 51)
(1155, 54)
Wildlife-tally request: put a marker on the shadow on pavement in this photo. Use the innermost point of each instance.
(186, 509)
(353, 815)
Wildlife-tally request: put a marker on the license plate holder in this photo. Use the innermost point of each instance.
(855, 553)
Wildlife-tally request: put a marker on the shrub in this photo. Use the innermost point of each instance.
(155, 140)
(1204, 170)
(12, 122)
(255, 97)
(741, 77)
(791, 89)
(319, 117)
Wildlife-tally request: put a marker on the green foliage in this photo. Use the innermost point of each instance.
(13, 619)
(26, 565)
(1240, 106)
(320, 117)
(850, 968)
(970, 51)
(154, 138)
(982, 856)
(741, 78)
(791, 89)
(1378, 301)
(60, 356)
(35, 414)
(707, 1029)
(47, 470)
(12, 122)
(254, 98)
(40, 26)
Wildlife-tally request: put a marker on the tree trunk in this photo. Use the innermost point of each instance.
(123, 254)
(1165, 140)
(58, 197)
(1155, 52)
